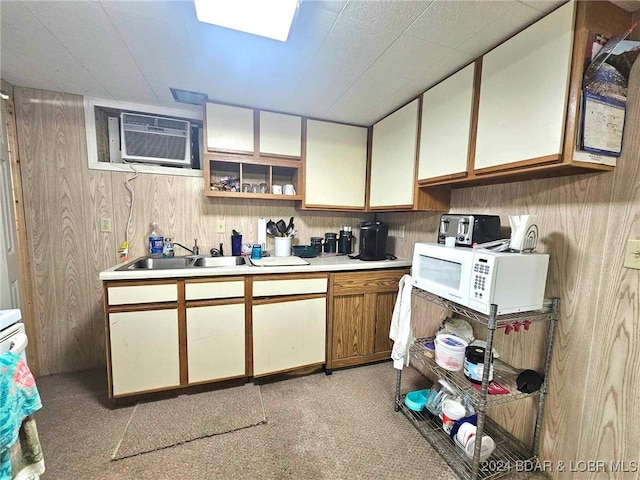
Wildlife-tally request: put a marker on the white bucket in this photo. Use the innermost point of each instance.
(450, 351)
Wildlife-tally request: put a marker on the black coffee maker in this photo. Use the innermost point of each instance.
(373, 241)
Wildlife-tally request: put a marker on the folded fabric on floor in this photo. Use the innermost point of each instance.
(19, 398)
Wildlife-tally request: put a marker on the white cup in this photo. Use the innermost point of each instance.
(276, 189)
(289, 190)
(450, 242)
(282, 246)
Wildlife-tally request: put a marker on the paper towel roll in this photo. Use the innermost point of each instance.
(262, 231)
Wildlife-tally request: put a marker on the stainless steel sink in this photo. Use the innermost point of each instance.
(153, 263)
(219, 262)
(160, 263)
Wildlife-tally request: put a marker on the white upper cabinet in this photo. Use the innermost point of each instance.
(280, 134)
(393, 158)
(229, 128)
(335, 165)
(523, 94)
(446, 124)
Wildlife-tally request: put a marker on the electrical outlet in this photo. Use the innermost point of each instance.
(632, 254)
(401, 231)
(105, 225)
(220, 226)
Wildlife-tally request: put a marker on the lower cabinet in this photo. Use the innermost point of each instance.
(361, 316)
(288, 334)
(144, 351)
(215, 342)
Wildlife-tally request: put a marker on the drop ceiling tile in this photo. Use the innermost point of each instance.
(143, 37)
(408, 56)
(375, 84)
(545, 6)
(16, 68)
(162, 10)
(355, 42)
(330, 5)
(516, 18)
(310, 27)
(450, 23)
(275, 60)
(81, 18)
(390, 15)
(324, 82)
(271, 92)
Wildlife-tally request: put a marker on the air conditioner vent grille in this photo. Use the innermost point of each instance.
(155, 139)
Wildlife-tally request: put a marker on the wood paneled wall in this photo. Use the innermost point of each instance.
(64, 202)
(585, 221)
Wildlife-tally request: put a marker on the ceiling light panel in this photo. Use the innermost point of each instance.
(266, 18)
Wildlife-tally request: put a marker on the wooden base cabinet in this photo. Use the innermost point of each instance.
(362, 306)
(144, 351)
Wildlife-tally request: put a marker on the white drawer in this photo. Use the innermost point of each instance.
(134, 294)
(213, 290)
(267, 288)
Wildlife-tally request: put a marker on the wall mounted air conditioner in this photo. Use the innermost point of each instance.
(152, 139)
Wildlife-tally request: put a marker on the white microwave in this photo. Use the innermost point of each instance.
(477, 278)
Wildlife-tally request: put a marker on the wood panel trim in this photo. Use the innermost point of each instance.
(352, 283)
(517, 165)
(360, 359)
(287, 298)
(417, 193)
(287, 370)
(26, 292)
(183, 354)
(248, 326)
(288, 276)
(214, 302)
(107, 338)
(215, 279)
(329, 332)
(272, 160)
(475, 108)
(332, 208)
(140, 282)
(441, 179)
(140, 307)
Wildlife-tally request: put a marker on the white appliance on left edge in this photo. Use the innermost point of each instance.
(478, 278)
(12, 334)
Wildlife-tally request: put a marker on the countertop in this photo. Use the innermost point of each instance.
(329, 263)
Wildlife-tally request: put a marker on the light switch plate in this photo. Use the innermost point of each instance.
(632, 254)
(220, 226)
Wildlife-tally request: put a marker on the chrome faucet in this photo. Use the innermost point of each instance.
(195, 250)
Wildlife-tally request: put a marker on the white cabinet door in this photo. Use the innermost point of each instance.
(215, 342)
(446, 123)
(288, 334)
(335, 165)
(144, 350)
(229, 128)
(393, 158)
(280, 134)
(523, 93)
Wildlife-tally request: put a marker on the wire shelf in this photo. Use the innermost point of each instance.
(509, 455)
(545, 313)
(503, 373)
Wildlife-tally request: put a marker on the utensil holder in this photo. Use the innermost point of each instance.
(282, 246)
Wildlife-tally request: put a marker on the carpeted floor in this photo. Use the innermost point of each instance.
(341, 426)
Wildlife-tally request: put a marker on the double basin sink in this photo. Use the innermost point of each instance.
(160, 263)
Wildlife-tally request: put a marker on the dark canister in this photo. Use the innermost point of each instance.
(345, 241)
(474, 364)
(317, 242)
(330, 240)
